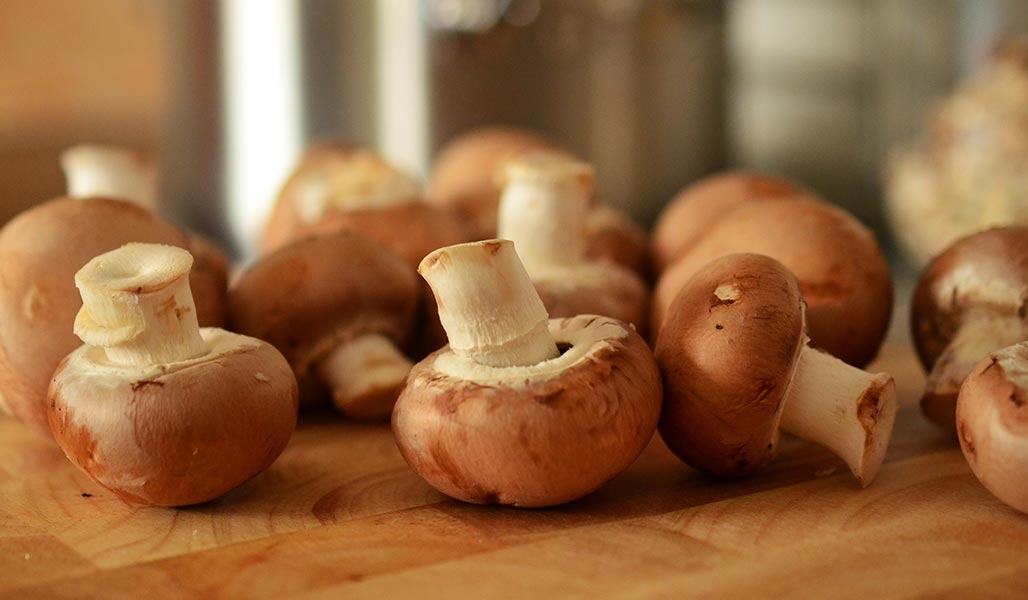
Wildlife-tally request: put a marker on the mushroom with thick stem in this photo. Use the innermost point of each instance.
(339, 307)
(971, 299)
(543, 210)
(842, 271)
(737, 368)
(520, 409)
(992, 423)
(468, 176)
(696, 208)
(154, 408)
(116, 172)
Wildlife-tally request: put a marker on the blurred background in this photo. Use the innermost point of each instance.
(656, 92)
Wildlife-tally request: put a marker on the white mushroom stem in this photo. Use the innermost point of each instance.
(110, 171)
(366, 366)
(137, 306)
(487, 304)
(979, 335)
(846, 410)
(544, 208)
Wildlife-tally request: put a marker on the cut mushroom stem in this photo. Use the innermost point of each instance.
(365, 374)
(487, 304)
(544, 209)
(848, 411)
(110, 171)
(137, 305)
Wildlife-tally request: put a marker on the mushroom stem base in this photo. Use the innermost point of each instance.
(846, 410)
(365, 375)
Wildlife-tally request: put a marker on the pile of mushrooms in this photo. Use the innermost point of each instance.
(520, 409)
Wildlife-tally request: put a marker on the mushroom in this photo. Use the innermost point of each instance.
(971, 299)
(154, 408)
(337, 306)
(697, 207)
(116, 172)
(842, 271)
(737, 369)
(543, 211)
(468, 176)
(992, 423)
(520, 409)
(40, 251)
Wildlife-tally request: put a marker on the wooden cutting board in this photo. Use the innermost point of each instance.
(341, 515)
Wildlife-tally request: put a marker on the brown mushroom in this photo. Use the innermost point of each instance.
(337, 306)
(468, 176)
(972, 299)
(154, 408)
(696, 208)
(115, 172)
(520, 409)
(40, 251)
(992, 423)
(737, 369)
(841, 270)
(543, 210)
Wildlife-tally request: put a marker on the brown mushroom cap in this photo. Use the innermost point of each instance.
(310, 295)
(695, 209)
(612, 235)
(986, 270)
(176, 434)
(992, 424)
(209, 280)
(40, 251)
(727, 353)
(532, 436)
(594, 289)
(842, 272)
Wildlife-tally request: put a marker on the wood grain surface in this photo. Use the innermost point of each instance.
(341, 515)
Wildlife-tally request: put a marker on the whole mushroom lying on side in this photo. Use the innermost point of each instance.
(841, 270)
(543, 209)
(992, 423)
(971, 299)
(520, 409)
(468, 176)
(154, 408)
(737, 369)
(340, 308)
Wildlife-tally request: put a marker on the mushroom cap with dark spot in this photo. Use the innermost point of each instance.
(310, 295)
(727, 354)
(985, 271)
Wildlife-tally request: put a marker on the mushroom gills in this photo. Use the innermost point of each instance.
(846, 410)
(365, 375)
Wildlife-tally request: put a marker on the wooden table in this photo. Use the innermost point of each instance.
(341, 515)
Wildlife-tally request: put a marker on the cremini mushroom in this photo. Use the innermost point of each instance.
(468, 176)
(340, 308)
(971, 299)
(154, 408)
(697, 207)
(40, 251)
(842, 271)
(992, 423)
(116, 172)
(520, 409)
(543, 210)
(737, 369)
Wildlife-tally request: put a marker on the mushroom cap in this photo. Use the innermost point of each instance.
(180, 433)
(985, 271)
(727, 354)
(532, 436)
(841, 270)
(613, 236)
(40, 251)
(695, 209)
(594, 289)
(992, 424)
(333, 178)
(312, 294)
(466, 174)
(208, 279)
